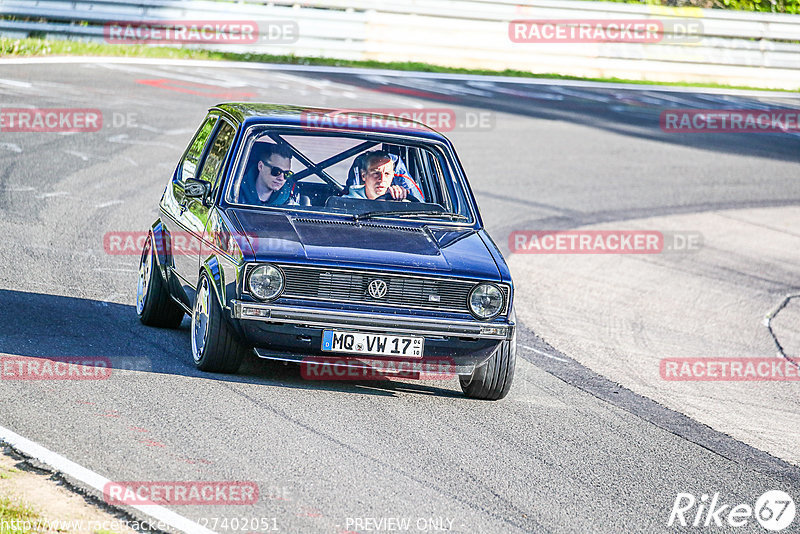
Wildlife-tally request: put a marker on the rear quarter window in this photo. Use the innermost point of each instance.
(195, 151)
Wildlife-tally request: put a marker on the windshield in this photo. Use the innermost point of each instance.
(364, 177)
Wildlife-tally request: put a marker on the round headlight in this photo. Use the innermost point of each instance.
(486, 301)
(265, 282)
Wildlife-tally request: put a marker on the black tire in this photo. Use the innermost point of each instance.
(492, 380)
(154, 306)
(221, 352)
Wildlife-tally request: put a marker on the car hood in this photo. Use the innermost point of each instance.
(279, 237)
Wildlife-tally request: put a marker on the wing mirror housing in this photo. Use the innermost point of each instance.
(200, 189)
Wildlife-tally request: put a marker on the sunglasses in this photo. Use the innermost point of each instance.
(277, 171)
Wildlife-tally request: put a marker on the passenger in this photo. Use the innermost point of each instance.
(269, 182)
(377, 175)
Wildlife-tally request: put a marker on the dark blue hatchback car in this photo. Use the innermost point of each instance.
(353, 239)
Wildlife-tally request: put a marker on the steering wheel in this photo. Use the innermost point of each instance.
(388, 196)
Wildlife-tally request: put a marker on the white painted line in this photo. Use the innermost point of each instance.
(396, 73)
(53, 194)
(537, 351)
(18, 188)
(107, 204)
(81, 155)
(190, 78)
(177, 131)
(13, 147)
(98, 482)
(15, 83)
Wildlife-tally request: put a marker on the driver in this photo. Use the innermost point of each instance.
(377, 175)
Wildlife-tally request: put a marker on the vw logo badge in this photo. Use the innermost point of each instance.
(377, 289)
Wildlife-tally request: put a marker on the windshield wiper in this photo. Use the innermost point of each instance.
(401, 214)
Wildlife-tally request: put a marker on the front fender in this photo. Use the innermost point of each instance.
(161, 245)
(216, 275)
(211, 268)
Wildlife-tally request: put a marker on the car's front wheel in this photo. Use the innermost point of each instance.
(492, 380)
(215, 347)
(154, 306)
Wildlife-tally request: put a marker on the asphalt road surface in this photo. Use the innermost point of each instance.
(567, 451)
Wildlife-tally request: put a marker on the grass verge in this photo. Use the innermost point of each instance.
(42, 47)
(13, 514)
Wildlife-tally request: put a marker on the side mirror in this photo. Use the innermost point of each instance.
(194, 188)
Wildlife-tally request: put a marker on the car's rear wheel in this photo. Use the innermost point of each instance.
(492, 380)
(154, 306)
(215, 347)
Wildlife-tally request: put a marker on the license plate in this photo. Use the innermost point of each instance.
(373, 344)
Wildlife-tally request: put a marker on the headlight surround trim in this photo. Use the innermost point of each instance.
(495, 313)
(275, 271)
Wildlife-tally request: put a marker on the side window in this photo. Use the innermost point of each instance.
(449, 181)
(216, 155)
(195, 152)
(422, 173)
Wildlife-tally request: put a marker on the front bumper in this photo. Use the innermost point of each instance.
(374, 322)
(441, 366)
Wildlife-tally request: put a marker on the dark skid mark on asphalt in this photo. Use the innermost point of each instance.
(574, 219)
(566, 214)
(528, 525)
(581, 377)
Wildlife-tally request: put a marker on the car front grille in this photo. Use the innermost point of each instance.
(341, 285)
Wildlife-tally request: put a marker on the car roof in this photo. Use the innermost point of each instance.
(310, 117)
